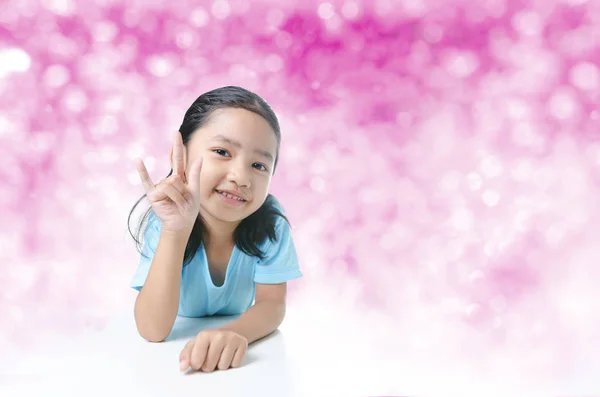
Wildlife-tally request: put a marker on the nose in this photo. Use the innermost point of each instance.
(239, 174)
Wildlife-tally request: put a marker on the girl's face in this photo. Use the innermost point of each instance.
(238, 150)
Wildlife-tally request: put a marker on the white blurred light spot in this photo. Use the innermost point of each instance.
(562, 105)
(585, 76)
(521, 172)
(56, 76)
(13, 60)
(525, 135)
(80, 209)
(333, 24)
(522, 221)
(59, 7)
(472, 309)
(61, 45)
(319, 167)
(528, 23)
(414, 8)
(498, 304)
(497, 322)
(462, 64)
(543, 177)
(517, 109)
(75, 100)
(554, 234)
(325, 11)
(350, 10)
(462, 220)
(41, 142)
(238, 71)
(136, 150)
(199, 17)
(317, 184)
(474, 181)
(273, 63)
(105, 32)
(6, 127)
(221, 9)
(475, 276)
(491, 198)
(159, 66)
(107, 125)
(114, 104)
(275, 17)
(24, 276)
(451, 305)
(491, 167)
(489, 249)
(450, 181)
(184, 39)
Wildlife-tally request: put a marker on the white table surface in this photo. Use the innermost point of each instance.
(293, 361)
(320, 350)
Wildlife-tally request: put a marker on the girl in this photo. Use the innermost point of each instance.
(215, 242)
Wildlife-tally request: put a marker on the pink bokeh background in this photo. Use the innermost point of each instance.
(440, 160)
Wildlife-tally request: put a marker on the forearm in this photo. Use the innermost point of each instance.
(259, 320)
(158, 301)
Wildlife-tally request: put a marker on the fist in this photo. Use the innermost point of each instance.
(215, 348)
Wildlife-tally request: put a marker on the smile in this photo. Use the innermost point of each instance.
(231, 196)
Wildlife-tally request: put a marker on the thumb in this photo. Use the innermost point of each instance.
(194, 179)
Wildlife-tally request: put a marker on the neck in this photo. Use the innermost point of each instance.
(216, 232)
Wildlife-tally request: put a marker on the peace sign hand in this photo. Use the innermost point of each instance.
(176, 199)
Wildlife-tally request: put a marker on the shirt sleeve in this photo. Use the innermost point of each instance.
(280, 262)
(150, 242)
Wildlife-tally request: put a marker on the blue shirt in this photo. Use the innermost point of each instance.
(199, 297)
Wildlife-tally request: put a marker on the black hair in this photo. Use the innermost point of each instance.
(256, 228)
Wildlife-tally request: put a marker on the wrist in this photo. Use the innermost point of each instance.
(176, 235)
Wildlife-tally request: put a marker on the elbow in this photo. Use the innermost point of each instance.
(150, 327)
(151, 330)
(154, 336)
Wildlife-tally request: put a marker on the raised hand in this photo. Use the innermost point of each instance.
(213, 349)
(176, 199)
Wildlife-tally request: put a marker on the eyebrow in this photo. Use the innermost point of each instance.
(222, 138)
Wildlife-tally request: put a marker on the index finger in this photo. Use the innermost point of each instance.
(184, 356)
(144, 176)
(178, 154)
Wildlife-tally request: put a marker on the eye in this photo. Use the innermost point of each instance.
(259, 167)
(221, 152)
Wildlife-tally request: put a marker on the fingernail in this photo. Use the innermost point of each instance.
(183, 365)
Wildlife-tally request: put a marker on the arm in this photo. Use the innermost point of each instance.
(157, 303)
(264, 316)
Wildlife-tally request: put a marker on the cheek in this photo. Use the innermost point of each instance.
(262, 185)
(208, 180)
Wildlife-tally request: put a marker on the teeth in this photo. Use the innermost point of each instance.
(231, 196)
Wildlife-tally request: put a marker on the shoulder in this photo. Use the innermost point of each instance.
(274, 203)
(280, 222)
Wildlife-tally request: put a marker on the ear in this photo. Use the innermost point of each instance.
(185, 159)
(186, 172)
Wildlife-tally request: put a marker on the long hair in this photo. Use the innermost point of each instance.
(256, 228)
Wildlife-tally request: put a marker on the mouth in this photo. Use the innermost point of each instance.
(231, 196)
